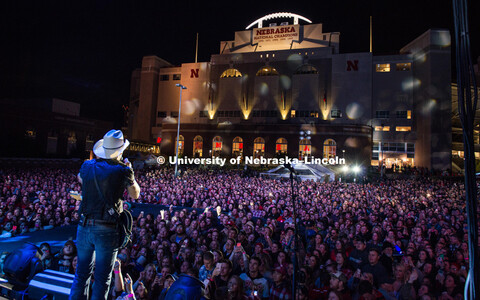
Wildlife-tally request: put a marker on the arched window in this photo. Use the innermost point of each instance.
(281, 146)
(52, 142)
(259, 147)
(305, 148)
(217, 144)
(181, 145)
(237, 149)
(198, 146)
(329, 148)
(230, 73)
(267, 71)
(71, 142)
(306, 69)
(89, 142)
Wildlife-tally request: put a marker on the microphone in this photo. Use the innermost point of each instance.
(290, 168)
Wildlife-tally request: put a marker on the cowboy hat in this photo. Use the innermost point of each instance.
(111, 146)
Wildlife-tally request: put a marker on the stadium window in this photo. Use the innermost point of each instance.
(198, 146)
(164, 77)
(203, 114)
(161, 114)
(180, 145)
(403, 66)
(281, 146)
(259, 147)
(306, 69)
(71, 142)
(403, 128)
(231, 73)
(336, 113)
(409, 114)
(177, 76)
(237, 149)
(217, 144)
(305, 148)
(267, 71)
(380, 128)
(174, 114)
(329, 148)
(382, 114)
(382, 68)
(292, 113)
(401, 114)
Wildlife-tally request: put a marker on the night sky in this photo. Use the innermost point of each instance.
(85, 51)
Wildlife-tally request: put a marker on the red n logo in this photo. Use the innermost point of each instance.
(352, 65)
(193, 73)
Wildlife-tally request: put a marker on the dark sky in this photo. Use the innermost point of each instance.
(85, 51)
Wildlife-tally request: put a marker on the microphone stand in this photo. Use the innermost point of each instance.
(295, 245)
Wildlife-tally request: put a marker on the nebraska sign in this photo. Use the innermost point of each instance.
(276, 34)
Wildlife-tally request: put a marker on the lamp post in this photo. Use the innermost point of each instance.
(381, 143)
(305, 135)
(182, 87)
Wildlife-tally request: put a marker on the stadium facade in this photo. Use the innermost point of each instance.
(286, 89)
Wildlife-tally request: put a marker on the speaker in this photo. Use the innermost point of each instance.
(51, 285)
(21, 265)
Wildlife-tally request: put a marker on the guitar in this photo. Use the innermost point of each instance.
(75, 195)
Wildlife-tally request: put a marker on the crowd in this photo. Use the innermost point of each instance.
(402, 239)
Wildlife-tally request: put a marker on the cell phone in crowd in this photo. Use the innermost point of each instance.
(239, 244)
(398, 250)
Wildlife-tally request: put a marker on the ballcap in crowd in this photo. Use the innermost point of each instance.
(340, 276)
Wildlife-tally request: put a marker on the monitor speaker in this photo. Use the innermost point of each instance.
(50, 285)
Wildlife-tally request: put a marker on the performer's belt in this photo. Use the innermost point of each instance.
(92, 222)
(85, 221)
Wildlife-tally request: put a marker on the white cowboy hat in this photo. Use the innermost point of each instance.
(111, 146)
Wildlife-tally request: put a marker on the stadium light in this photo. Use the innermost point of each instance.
(356, 169)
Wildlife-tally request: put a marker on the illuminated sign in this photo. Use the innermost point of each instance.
(194, 73)
(276, 34)
(259, 22)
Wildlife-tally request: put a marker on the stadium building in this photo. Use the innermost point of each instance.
(285, 89)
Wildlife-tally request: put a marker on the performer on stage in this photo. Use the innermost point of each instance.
(104, 181)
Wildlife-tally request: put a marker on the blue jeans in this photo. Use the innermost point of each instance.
(96, 247)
